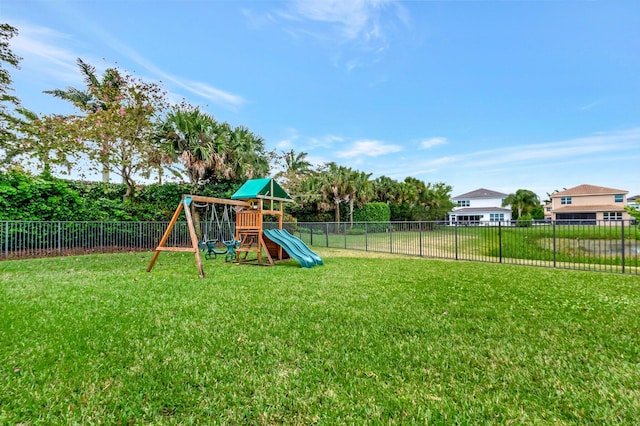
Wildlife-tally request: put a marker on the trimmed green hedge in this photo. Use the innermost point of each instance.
(372, 212)
(27, 197)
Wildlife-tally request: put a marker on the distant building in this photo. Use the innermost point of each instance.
(634, 202)
(589, 203)
(479, 207)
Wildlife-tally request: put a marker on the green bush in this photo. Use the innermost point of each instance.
(525, 221)
(372, 212)
(25, 197)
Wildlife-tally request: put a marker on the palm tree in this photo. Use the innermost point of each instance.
(189, 135)
(385, 189)
(358, 188)
(95, 98)
(247, 155)
(522, 202)
(335, 186)
(296, 163)
(294, 170)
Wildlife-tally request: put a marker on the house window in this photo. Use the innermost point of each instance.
(611, 216)
(496, 217)
(565, 201)
(464, 203)
(619, 198)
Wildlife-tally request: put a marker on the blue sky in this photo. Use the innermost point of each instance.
(541, 95)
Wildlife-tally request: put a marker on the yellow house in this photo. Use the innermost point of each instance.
(589, 203)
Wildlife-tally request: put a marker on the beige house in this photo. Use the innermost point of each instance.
(589, 203)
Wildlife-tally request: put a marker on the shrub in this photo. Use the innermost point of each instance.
(525, 221)
(25, 197)
(372, 212)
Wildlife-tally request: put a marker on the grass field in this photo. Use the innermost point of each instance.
(363, 339)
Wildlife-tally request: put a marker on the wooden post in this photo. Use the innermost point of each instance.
(194, 241)
(165, 237)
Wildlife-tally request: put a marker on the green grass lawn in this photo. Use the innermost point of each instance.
(362, 339)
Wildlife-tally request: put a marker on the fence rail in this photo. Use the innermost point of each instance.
(603, 246)
(608, 246)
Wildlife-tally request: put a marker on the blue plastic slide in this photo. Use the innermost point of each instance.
(296, 248)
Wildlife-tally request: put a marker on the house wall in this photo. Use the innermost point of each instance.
(484, 216)
(483, 202)
(589, 200)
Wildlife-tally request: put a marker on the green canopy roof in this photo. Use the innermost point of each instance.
(261, 188)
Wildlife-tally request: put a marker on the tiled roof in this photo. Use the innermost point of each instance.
(480, 193)
(600, 208)
(588, 190)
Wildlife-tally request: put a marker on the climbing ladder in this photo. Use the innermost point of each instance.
(249, 233)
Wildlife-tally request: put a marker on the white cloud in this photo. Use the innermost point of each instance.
(354, 19)
(589, 106)
(43, 51)
(48, 52)
(369, 148)
(204, 90)
(430, 143)
(349, 26)
(289, 141)
(327, 141)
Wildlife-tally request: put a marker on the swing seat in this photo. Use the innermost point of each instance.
(212, 250)
(231, 246)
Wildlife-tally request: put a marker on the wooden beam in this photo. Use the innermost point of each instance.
(213, 200)
(185, 249)
(267, 197)
(165, 237)
(194, 241)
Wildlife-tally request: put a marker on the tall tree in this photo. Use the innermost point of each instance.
(335, 187)
(294, 168)
(190, 136)
(7, 99)
(359, 190)
(99, 95)
(437, 200)
(385, 189)
(247, 155)
(522, 202)
(44, 139)
(118, 125)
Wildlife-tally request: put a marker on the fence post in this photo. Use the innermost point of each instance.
(455, 228)
(344, 224)
(420, 238)
(59, 238)
(326, 233)
(366, 237)
(623, 247)
(310, 234)
(500, 239)
(554, 243)
(390, 237)
(6, 240)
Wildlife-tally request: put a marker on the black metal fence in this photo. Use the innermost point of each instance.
(604, 246)
(611, 246)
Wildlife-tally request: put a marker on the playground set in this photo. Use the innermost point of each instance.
(254, 200)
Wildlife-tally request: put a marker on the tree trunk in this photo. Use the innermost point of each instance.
(351, 211)
(105, 172)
